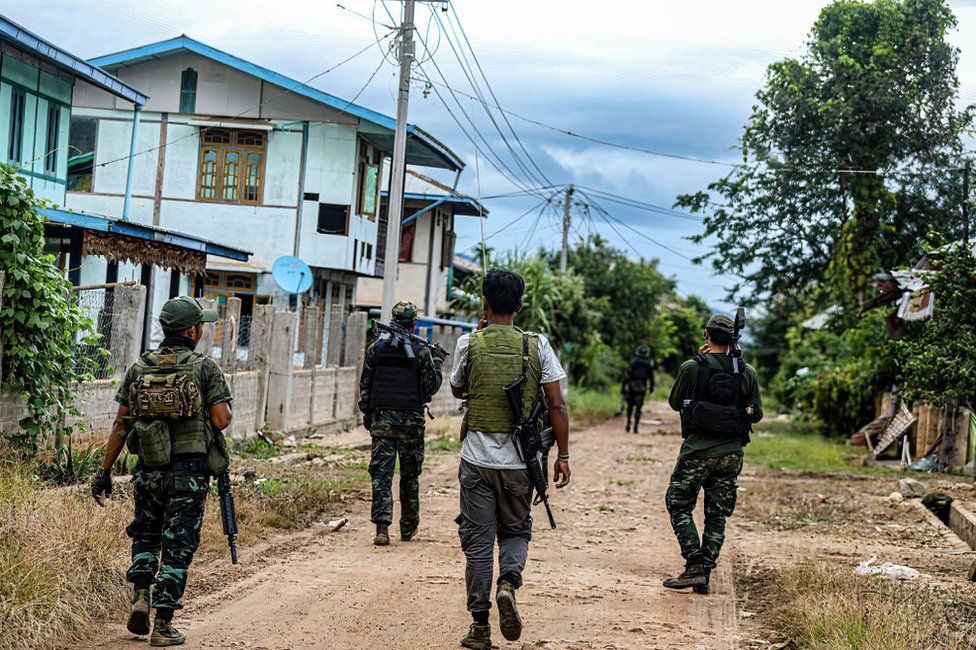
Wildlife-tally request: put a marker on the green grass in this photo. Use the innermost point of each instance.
(794, 446)
(588, 406)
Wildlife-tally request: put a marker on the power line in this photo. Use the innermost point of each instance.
(607, 215)
(772, 166)
(642, 205)
(474, 56)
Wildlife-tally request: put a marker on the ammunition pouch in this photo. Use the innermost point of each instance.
(152, 441)
(218, 459)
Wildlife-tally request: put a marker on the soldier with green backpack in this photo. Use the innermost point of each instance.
(495, 487)
(173, 407)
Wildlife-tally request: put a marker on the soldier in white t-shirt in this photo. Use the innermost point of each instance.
(495, 487)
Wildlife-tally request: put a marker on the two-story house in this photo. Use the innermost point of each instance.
(38, 85)
(235, 151)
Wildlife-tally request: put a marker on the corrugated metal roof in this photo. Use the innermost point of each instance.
(440, 156)
(101, 223)
(68, 62)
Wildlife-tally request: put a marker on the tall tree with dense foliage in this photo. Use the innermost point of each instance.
(875, 92)
(41, 324)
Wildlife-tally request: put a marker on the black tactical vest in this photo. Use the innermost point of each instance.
(397, 383)
(717, 407)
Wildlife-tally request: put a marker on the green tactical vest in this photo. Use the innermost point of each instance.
(188, 434)
(495, 357)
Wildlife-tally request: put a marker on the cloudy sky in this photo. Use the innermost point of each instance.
(675, 77)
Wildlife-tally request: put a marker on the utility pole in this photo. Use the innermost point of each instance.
(391, 258)
(567, 222)
(965, 204)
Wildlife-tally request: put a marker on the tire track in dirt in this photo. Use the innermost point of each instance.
(595, 582)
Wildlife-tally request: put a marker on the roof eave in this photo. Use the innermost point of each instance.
(67, 61)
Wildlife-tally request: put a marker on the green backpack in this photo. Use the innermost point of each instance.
(166, 412)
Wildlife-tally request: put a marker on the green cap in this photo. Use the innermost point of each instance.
(405, 311)
(720, 322)
(183, 312)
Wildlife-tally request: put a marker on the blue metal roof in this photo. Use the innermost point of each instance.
(441, 156)
(463, 205)
(68, 62)
(101, 223)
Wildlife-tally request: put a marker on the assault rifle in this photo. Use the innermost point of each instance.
(528, 441)
(735, 350)
(398, 332)
(227, 515)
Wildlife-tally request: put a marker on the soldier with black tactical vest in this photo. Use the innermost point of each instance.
(638, 381)
(495, 487)
(400, 376)
(173, 407)
(719, 402)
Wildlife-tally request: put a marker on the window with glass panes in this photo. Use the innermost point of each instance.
(231, 165)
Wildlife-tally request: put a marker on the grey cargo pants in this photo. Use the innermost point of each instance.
(495, 504)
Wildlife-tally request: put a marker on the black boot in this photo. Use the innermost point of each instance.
(694, 575)
(628, 424)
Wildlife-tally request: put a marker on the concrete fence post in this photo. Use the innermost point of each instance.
(355, 348)
(206, 343)
(128, 308)
(259, 354)
(232, 320)
(280, 370)
(334, 352)
(320, 325)
(310, 329)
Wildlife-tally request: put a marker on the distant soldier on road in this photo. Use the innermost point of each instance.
(400, 376)
(173, 407)
(638, 381)
(495, 487)
(718, 408)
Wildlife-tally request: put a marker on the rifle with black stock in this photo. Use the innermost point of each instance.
(735, 351)
(528, 441)
(228, 517)
(396, 331)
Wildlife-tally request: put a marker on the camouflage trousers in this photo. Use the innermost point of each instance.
(717, 476)
(382, 464)
(165, 532)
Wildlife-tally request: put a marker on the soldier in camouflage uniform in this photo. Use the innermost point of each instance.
(638, 381)
(399, 377)
(717, 409)
(170, 487)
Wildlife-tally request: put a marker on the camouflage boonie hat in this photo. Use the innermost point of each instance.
(643, 351)
(405, 311)
(722, 323)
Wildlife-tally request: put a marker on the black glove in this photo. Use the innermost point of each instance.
(101, 485)
(368, 421)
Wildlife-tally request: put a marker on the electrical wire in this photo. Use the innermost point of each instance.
(607, 216)
(481, 98)
(771, 166)
(642, 205)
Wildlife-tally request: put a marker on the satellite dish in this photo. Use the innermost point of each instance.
(292, 275)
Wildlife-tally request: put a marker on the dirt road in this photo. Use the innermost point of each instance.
(595, 582)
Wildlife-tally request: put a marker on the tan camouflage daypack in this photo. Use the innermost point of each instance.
(171, 396)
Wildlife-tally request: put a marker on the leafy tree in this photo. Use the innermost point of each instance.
(40, 322)
(935, 355)
(875, 91)
(629, 294)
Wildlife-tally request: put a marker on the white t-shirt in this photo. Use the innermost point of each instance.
(495, 450)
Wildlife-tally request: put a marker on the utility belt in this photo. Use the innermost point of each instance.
(178, 466)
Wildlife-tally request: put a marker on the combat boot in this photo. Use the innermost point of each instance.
(478, 638)
(382, 535)
(694, 575)
(627, 429)
(635, 427)
(164, 634)
(139, 612)
(508, 617)
(407, 535)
